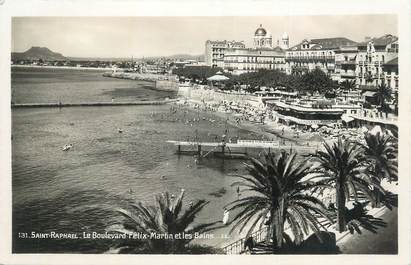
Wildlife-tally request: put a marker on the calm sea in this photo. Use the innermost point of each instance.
(75, 191)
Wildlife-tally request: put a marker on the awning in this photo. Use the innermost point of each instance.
(217, 78)
(377, 129)
(347, 118)
(364, 129)
(369, 93)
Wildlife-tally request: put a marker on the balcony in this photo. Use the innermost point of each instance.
(347, 74)
(345, 62)
(309, 58)
(245, 62)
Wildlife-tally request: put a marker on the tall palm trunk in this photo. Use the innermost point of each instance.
(340, 200)
(377, 193)
(271, 228)
(278, 225)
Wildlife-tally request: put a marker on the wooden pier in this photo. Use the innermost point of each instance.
(230, 150)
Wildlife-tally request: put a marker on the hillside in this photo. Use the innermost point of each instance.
(37, 53)
(181, 57)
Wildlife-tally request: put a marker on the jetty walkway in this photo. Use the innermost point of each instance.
(229, 149)
(90, 104)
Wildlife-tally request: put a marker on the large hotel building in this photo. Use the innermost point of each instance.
(234, 57)
(367, 63)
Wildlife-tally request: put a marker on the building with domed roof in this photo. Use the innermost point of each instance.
(284, 42)
(238, 59)
(262, 39)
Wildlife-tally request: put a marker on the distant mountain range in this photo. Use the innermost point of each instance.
(45, 54)
(181, 57)
(185, 57)
(37, 53)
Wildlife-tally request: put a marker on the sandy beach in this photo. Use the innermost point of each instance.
(302, 142)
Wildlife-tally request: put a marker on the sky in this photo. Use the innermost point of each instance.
(162, 36)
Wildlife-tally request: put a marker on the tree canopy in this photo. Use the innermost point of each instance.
(197, 72)
(315, 81)
(311, 82)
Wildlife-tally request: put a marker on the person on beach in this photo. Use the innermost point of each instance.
(249, 244)
(238, 191)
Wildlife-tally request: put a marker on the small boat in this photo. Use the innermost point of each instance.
(120, 130)
(67, 147)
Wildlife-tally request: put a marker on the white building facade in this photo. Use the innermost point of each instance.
(372, 56)
(316, 53)
(238, 59)
(215, 50)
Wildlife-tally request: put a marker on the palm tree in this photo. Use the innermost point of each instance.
(347, 85)
(395, 101)
(166, 220)
(382, 95)
(342, 167)
(279, 193)
(380, 149)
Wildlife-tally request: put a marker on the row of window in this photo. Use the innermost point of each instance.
(313, 53)
(387, 81)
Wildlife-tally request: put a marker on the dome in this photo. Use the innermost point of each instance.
(260, 31)
(285, 36)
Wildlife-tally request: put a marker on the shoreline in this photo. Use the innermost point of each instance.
(59, 67)
(303, 145)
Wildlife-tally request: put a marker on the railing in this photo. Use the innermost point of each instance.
(257, 142)
(352, 74)
(309, 58)
(345, 62)
(237, 247)
(250, 62)
(376, 119)
(304, 122)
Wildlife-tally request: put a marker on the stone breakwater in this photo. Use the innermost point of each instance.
(138, 76)
(90, 104)
(162, 82)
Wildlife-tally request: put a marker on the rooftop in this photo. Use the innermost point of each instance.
(392, 62)
(260, 31)
(326, 43)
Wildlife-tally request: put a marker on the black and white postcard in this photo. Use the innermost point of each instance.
(154, 133)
